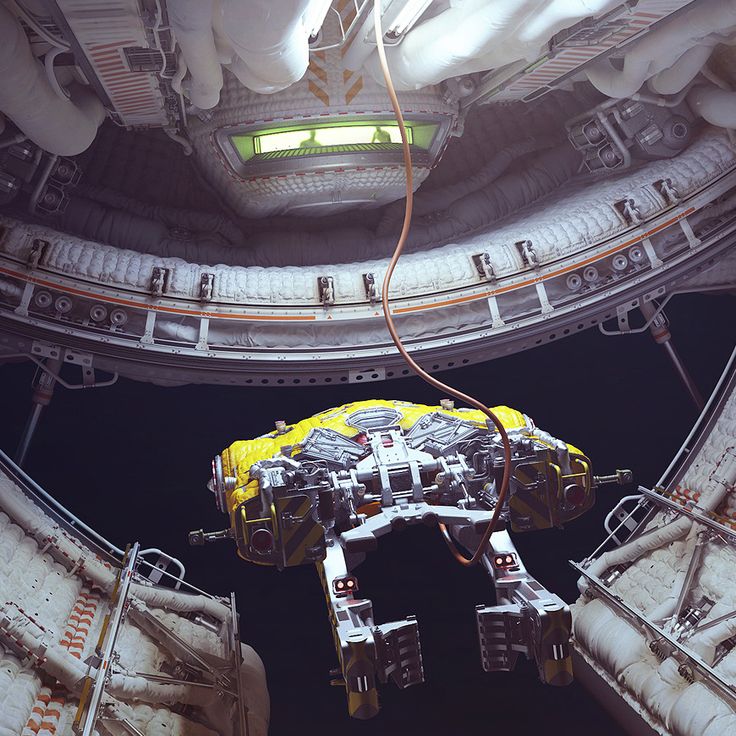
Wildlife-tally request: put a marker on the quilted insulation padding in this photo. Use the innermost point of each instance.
(19, 688)
(311, 192)
(154, 720)
(558, 225)
(685, 709)
(46, 591)
(327, 90)
(33, 580)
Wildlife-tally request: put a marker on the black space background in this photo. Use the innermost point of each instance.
(132, 461)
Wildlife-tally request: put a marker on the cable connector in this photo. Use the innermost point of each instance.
(620, 478)
(199, 537)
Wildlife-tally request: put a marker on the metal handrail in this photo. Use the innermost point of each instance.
(695, 665)
(89, 708)
(66, 517)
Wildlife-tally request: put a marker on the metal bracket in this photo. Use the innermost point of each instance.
(206, 287)
(528, 253)
(628, 211)
(693, 240)
(40, 351)
(204, 331)
(496, 319)
(667, 191)
(45, 350)
(543, 298)
(484, 267)
(326, 286)
(37, 252)
(147, 337)
(159, 280)
(623, 318)
(371, 291)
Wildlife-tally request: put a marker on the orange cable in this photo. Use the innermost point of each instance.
(503, 492)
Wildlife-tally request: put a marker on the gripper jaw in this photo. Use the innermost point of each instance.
(527, 618)
(399, 653)
(368, 653)
(501, 636)
(540, 632)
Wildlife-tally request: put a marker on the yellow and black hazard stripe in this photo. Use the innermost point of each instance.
(556, 657)
(298, 531)
(531, 504)
(360, 681)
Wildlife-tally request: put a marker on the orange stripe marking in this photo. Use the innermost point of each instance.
(539, 279)
(155, 307)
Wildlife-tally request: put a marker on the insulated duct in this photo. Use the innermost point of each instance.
(717, 106)
(270, 41)
(71, 672)
(438, 200)
(28, 516)
(479, 35)
(682, 72)
(59, 126)
(636, 548)
(659, 537)
(471, 211)
(678, 47)
(191, 21)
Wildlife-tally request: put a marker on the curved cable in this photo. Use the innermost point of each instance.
(431, 380)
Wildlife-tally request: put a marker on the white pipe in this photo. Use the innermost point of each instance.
(191, 21)
(249, 79)
(704, 643)
(717, 106)
(71, 672)
(437, 48)
(636, 548)
(663, 47)
(29, 517)
(59, 126)
(11, 290)
(271, 40)
(48, 63)
(709, 500)
(480, 35)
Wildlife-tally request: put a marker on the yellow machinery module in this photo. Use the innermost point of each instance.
(323, 490)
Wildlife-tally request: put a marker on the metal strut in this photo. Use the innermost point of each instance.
(43, 390)
(659, 328)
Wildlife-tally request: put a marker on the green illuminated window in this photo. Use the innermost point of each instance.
(376, 135)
